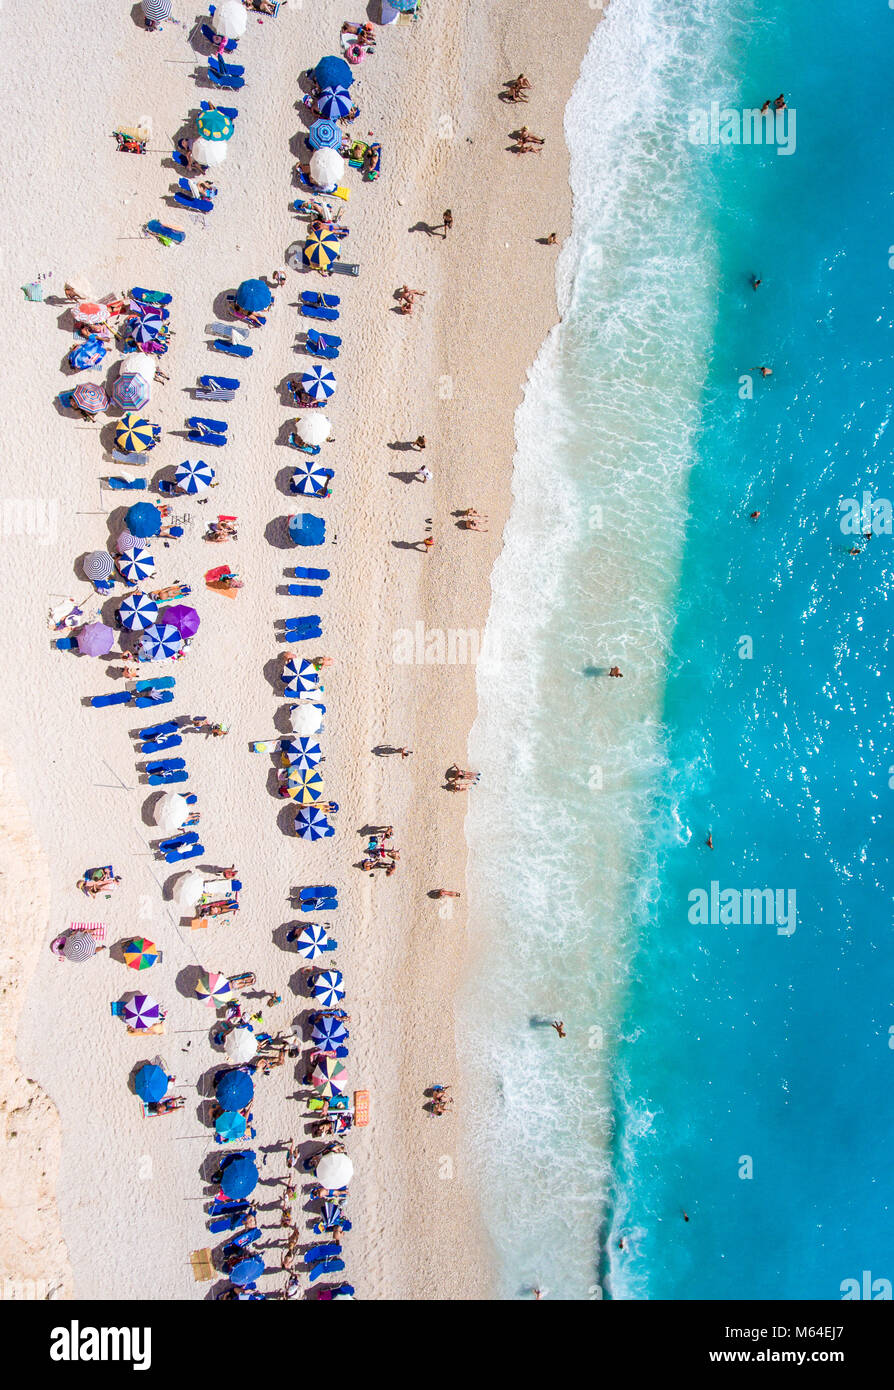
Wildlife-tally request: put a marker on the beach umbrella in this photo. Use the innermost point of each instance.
(239, 1177)
(194, 477)
(213, 989)
(311, 824)
(327, 987)
(90, 397)
(241, 1044)
(150, 1082)
(184, 618)
(98, 564)
(190, 888)
(145, 330)
(247, 1270)
(230, 1125)
(96, 639)
(334, 102)
(333, 72)
(139, 953)
(135, 564)
(307, 529)
(313, 429)
(91, 313)
(230, 19)
(325, 135)
(126, 542)
(172, 811)
(334, 1170)
(138, 364)
(330, 1076)
(137, 612)
(309, 479)
(327, 168)
(307, 787)
(209, 153)
(329, 1032)
(134, 435)
(310, 942)
(131, 391)
(318, 382)
(321, 250)
(79, 945)
(156, 10)
(403, 6)
(306, 719)
(301, 675)
(141, 1011)
(234, 1089)
(143, 520)
(214, 125)
(160, 642)
(89, 353)
(300, 752)
(253, 296)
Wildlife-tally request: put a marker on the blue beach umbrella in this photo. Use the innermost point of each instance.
(252, 296)
(137, 612)
(135, 564)
(312, 941)
(194, 477)
(324, 135)
(304, 753)
(309, 479)
(239, 1177)
(150, 1082)
(234, 1089)
(405, 6)
(145, 330)
(318, 382)
(247, 1270)
(302, 670)
(143, 520)
(306, 529)
(334, 72)
(329, 1032)
(334, 102)
(160, 642)
(328, 987)
(230, 1125)
(87, 354)
(312, 824)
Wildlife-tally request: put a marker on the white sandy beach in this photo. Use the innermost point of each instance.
(130, 1192)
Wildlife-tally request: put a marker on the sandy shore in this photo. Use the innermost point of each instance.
(130, 1191)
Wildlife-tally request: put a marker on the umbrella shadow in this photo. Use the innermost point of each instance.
(186, 981)
(271, 675)
(283, 485)
(276, 534)
(285, 819)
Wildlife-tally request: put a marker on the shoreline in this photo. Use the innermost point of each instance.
(416, 1234)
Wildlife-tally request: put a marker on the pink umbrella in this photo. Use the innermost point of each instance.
(184, 618)
(95, 639)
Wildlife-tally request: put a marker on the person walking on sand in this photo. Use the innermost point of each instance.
(419, 442)
(447, 223)
(405, 752)
(422, 475)
(559, 1027)
(617, 672)
(551, 240)
(425, 545)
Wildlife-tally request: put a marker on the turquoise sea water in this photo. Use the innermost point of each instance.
(755, 701)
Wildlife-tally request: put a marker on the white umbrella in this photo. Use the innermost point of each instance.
(240, 1045)
(306, 719)
(313, 429)
(335, 1170)
(326, 168)
(172, 811)
(230, 19)
(210, 152)
(139, 362)
(190, 887)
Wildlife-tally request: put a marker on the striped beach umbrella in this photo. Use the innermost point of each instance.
(131, 391)
(311, 942)
(134, 435)
(214, 125)
(135, 564)
(156, 10)
(160, 642)
(98, 564)
(301, 674)
(334, 102)
(79, 945)
(96, 639)
(184, 618)
(143, 520)
(329, 1032)
(137, 612)
(90, 397)
(194, 478)
(327, 987)
(90, 312)
(213, 989)
(325, 135)
(318, 382)
(126, 542)
(306, 787)
(330, 1076)
(229, 1125)
(139, 953)
(145, 329)
(150, 1082)
(311, 824)
(309, 479)
(321, 249)
(142, 1011)
(303, 753)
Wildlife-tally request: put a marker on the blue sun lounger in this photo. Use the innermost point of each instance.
(311, 449)
(322, 1271)
(118, 697)
(315, 299)
(222, 1206)
(125, 484)
(246, 1238)
(320, 346)
(166, 765)
(156, 682)
(229, 80)
(234, 349)
(161, 779)
(309, 572)
(153, 298)
(317, 890)
(161, 697)
(217, 388)
(305, 634)
(215, 426)
(231, 111)
(194, 204)
(158, 745)
(175, 856)
(305, 590)
(179, 841)
(66, 644)
(213, 37)
(326, 315)
(328, 1250)
(159, 730)
(214, 441)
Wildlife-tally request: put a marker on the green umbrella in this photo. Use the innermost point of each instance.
(214, 125)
